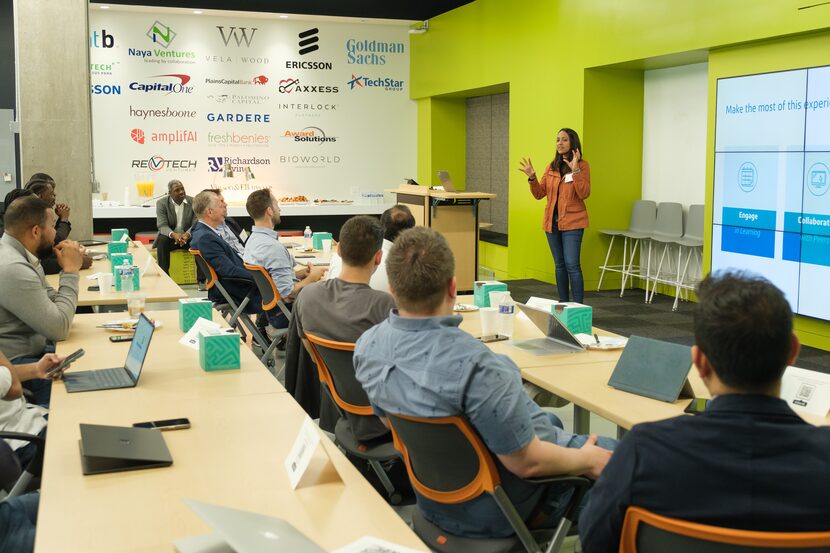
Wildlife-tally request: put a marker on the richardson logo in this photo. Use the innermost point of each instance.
(168, 84)
(105, 89)
(237, 34)
(307, 110)
(309, 161)
(172, 137)
(216, 164)
(239, 117)
(289, 85)
(101, 68)
(384, 83)
(308, 41)
(240, 59)
(258, 80)
(162, 113)
(158, 163)
(161, 34)
(237, 139)
(239, 99)
(371, 52)
(101, 40)
(309, 134)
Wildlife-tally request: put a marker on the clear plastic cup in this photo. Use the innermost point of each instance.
(489, 321)
(135, 304)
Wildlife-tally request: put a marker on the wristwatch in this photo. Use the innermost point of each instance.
(531, 179)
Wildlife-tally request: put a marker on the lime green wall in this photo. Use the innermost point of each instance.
(442, 140)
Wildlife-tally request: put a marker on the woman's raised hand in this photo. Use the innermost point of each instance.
(526, 167)
(574, 162)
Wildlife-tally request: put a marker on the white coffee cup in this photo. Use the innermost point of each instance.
(496, 297)
(105, 282)
(489, 320)
(326, 245)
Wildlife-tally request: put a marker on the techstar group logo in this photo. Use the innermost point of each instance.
(385, 83)
(171, 137)
(216, 164)
(309, 134)
(238, 34)
(158, 163)
(165, 85)
(161, 34)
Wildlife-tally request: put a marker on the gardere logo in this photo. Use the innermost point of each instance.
(172, 137)
(105, 89)
(168, 87)
(238, 34)
(239, 117)
(157, 163)
(371, 52)
(309, 134)
(101, 41)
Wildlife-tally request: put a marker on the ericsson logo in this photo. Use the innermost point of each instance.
(308, 41)
(309, 134)
(165, 86)
(105, 89)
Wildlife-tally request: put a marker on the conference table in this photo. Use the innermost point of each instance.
(156, 285)
(243, 427)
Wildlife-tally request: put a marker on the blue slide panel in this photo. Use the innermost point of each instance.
(792, 247)
(757, 242)
(815, 250)
(749, 218)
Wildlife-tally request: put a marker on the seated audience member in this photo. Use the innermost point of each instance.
(45, 190)
(263, 248)
(174, 219)
(230, 222)
(32, 313)
(394, 220)
(345, 307)
(18, 516)
(10, 197)
(737, 464)
(419, 363)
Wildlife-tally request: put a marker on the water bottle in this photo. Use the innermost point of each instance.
(125, 273)
(507, 308)
(308, 238)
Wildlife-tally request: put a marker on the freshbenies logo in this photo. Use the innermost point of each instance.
(371, 52)
(382, 83)
(217, 163)
(161, 34)
(168, 84)
(237, 34)
(239, 117)
(159, 163)
(308, 41)
(289, 85)
(309, 134)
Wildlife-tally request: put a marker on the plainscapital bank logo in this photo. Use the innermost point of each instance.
(309, 134)
(258, 80)
(165, 85)
(238, 99)
(106, 89)
(289, 85)
(371, 52)
(384, 83)
(171, 137)
(159, 163)
(216, 164)
(237, 34)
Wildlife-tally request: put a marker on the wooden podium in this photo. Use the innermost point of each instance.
(453, 214)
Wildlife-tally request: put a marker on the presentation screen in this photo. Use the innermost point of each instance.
(771, 211)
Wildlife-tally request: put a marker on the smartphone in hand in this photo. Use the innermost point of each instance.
(66, 362)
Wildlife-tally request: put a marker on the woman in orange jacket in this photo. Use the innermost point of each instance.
(566, 184)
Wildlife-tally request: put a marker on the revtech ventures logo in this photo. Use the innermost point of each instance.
(171, 137)
(385, 83)
(239, 117)
(289, 85)
(105, 89)
(309, 134)
(166, 85)
(102, 40)
(216, 164)
(158, 163)
(161, 34)
(237, 34)
(258, 80)
(308, 41)
(371, 52)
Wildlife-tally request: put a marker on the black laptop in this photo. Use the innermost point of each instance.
(117, 377)
(118, 448)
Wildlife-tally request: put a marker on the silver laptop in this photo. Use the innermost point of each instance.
(244, 532)
(125, 376)
(446, 181)
(558, 339)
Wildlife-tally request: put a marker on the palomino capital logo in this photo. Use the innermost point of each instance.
(238, 34)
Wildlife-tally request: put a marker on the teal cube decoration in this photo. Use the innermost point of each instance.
(116, 247)
(317, 239)
(577, 317)
(117, 260)
(219, 350)
(118, 233)
(482, 289)
(191, 309)
(117, 273)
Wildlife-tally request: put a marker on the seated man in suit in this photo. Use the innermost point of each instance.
(748, 461)
(263, 248)
(174, 220)
(419, 363)
(394, 220)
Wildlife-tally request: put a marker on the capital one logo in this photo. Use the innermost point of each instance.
(238, 34)
(161, 34)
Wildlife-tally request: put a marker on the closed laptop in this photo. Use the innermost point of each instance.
(654, 369)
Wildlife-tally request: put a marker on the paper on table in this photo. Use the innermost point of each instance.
(369, 544)
(191, 339)
(605, 342)
(541, 303)
(806, 390)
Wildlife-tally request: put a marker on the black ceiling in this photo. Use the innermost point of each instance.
(381, 9)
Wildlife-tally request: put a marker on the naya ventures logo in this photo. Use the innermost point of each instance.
(238, 35)
(258, 80)
(309, 134)
(172, 137)
(385, 83)
(216, 164)
(289, 85)
(162, 36)
(159, 163)
(106, 89)
(102, 40)
(165, 85)
(371, 52)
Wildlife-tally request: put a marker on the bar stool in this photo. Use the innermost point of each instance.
(669, 229)
(692, 239)
(640, 227)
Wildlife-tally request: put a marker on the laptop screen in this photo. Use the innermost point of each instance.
(139, 346)
(550, 325)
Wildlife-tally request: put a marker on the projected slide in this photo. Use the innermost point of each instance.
(771, 210)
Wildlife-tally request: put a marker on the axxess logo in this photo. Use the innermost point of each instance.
(169, 88)
(287, 86)
(385, 83)
(308, 41)
(161, 34)
(172, 137)
(238, 34)
(158, 163)
(216, 164)
(309, 134)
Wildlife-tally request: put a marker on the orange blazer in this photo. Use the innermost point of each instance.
(571, 205)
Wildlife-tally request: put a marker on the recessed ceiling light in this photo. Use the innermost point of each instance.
(283, 17)
(105, 7)
(198, 12)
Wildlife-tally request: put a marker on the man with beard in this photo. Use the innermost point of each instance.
(175, 220)
(45, 190)
(32, 313)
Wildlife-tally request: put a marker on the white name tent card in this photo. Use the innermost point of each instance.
(806, 390)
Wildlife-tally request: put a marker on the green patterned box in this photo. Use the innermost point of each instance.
(116, 247)
(577, 317)
(117, 259)
(219, 350)
(117, 233)
(190, 309)
(317, 239)
(482, 289)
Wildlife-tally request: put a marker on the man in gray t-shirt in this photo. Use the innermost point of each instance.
(343, 308)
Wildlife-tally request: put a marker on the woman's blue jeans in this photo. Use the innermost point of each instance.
(565, 246)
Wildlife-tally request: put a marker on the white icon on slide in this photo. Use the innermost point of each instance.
(747, 177)
(817, 179)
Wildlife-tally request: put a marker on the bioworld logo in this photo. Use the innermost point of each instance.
(171, 137)
(102, 40)
(161, 34)
(106, 89)
(216, 164)
(385, 83)
(309, 161)
(158, 163)
(371, 52)
(238, 35)
(309, 134)
(165, 86)
(308, 41)
(287, 86)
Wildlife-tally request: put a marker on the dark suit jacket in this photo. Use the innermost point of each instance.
(226, 263)
(166, 219)
(747, 462)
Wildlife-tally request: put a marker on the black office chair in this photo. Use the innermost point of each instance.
(448, 462)
(336, 370)
(15, 480)
(271, 299)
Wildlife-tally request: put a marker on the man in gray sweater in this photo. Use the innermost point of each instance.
(32, 313)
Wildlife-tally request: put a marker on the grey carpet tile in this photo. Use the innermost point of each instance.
(661, 317)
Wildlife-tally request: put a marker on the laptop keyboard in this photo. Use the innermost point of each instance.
(112, 378)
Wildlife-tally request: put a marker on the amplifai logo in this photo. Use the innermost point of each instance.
(172, 137)
(392, 85)
(309, 134)
(105, 89)
(371, 52)
(258, 80)
(289, 85)
(216, 164)
(158, 163)
(168, 87)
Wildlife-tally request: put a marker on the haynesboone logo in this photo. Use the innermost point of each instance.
(216, 164)
(289, 85)
(157, 163)
(169, 88)
(172, 137)
(258, 80)
(162, 113)
(237, 139)
(105, 89)
(161, 34)
(309, 134)
(308, 41)
(371, 52)
(366, 82)
(239, 117)
(238, 34)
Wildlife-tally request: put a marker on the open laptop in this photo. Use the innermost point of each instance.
(654, 369)
(558, 339)
(244, 532)
(446, 181)
(120, 448)
(118, 377)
